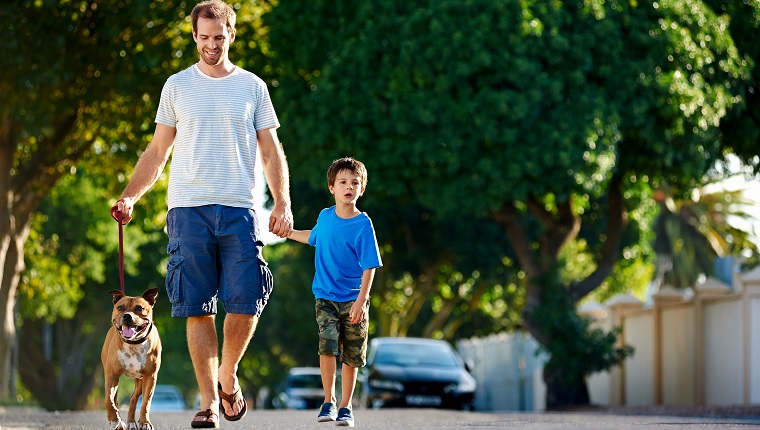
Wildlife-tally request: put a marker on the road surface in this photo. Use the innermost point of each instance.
(15, 418)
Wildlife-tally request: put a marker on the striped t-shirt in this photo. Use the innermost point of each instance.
(214, 156)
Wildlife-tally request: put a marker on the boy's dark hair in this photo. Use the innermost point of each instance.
(214, 9)
(347, 163)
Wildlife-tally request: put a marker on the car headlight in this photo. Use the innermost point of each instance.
(384, 384)
(464, 386)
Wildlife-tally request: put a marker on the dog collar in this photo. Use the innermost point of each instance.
(136, 342)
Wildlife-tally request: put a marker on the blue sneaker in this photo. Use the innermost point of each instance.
(328, 412)
(345, 418)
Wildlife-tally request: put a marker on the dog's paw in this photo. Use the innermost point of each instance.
(146, 426)
(117, 425)
(132, 426)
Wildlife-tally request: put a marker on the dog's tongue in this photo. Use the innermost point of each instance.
(127, 331)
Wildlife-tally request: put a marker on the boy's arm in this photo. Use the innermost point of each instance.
(358, 310)
(300, 236)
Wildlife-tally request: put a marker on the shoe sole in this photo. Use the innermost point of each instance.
(344, 423)
(325, 419)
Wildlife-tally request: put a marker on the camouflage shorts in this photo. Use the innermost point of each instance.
(337, 336)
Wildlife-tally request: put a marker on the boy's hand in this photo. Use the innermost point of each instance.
(358, 312)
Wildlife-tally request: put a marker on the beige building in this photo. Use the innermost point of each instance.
(695, 347)
(700, 346)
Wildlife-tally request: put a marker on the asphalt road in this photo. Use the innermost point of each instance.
(28, 418)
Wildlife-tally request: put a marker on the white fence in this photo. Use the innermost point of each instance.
(508, 372)
(702, 347)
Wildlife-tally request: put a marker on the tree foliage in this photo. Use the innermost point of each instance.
(741, 128)
(512, 148)
(690, 232)
(552, 119)
(80, 80)
(578, 349)
(65, 313)
(484, 100)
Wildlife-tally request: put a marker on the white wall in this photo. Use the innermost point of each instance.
(754, 345)
(639, 379)
(599, 388)
(704, 348)
(678, 356)
(505, 367)
(723, 353)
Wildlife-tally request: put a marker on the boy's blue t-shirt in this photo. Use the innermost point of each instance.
(345, 248)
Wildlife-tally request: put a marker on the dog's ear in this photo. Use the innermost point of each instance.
(117, 295)
(151, 295)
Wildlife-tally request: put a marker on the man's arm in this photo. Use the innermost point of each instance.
(276, 173)
(148, 169)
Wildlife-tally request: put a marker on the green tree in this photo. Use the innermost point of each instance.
(432, 284)
(64, 308)
(81, 80)
(690, 231)
(553, 119)
(741, 127)
(429, 285)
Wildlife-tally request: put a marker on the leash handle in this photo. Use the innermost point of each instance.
(116, 214)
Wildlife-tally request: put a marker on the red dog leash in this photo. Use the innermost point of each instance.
(116, 214)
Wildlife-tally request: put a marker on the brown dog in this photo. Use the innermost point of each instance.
(132, 348)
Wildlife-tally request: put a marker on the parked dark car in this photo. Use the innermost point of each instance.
(416, 372)
(301, 389)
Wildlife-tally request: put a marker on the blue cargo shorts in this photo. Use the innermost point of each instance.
(215, 254)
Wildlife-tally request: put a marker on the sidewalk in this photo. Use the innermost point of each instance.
(396, 419)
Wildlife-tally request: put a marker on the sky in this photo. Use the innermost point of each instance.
(751, 191)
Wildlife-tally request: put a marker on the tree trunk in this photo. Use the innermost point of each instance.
(563, 391)
(7, 288)
(11, 267)
(7, 336)
(540, 263)
(65, 379)
(22, 189)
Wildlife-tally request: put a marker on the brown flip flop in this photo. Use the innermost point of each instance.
(232, 399)
(208, 424)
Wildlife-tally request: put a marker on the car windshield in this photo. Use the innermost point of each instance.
(415, 355)
(165, 396)
(305, 381)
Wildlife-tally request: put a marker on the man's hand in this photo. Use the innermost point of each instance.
(125, 206)
(281, 221)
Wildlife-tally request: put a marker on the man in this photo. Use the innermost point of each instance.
(215, 116)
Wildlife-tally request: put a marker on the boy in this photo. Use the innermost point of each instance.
(345, 262)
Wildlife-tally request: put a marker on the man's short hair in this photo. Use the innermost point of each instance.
(214, 9)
